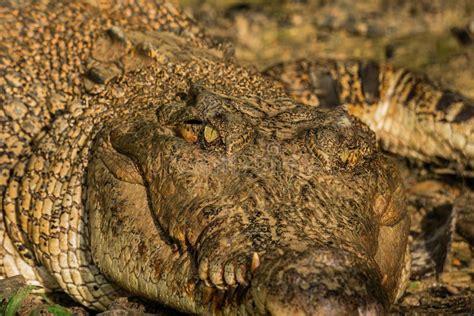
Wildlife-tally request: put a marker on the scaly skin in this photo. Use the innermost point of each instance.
(410, 115)
(169, 172)
(45, 50)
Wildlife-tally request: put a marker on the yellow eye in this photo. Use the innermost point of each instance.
(210, 134)
(349, 157)
(188, 135)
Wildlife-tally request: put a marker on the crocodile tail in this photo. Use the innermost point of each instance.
(411, 116)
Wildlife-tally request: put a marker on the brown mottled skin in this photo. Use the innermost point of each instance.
(139, 159)
(410, 115)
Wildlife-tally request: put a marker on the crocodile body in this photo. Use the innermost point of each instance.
(139, 159)
(411, 116)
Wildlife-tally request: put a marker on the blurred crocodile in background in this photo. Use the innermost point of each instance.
(139, 159)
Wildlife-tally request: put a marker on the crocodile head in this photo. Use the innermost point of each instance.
(264, 206)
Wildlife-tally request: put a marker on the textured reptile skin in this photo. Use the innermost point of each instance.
(138, 158)
(410, 115)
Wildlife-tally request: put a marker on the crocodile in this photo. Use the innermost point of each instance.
(139, 159)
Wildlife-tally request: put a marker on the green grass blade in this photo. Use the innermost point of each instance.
(17, 299)
(57, 310)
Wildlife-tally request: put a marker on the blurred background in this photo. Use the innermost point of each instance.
(429, 36)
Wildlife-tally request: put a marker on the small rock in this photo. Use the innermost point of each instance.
(462, 252)
(459, 279)
(122, 307)
(14, 80)
(464, 206)
(411, 301)
(10, 286)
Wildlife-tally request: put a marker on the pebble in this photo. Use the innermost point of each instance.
(458, 279)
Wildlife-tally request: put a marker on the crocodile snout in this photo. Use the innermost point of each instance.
(278, 216)
(316, 282)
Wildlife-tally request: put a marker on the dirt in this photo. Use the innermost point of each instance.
(424, 36)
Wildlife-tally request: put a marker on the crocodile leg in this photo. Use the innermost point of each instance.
(45, 46)
(410, 115)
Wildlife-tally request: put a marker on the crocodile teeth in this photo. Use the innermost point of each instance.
(207, 294)
(204, 269)
(255, 262)
(216, 274)
(240, 275)
(229, 274)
